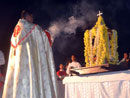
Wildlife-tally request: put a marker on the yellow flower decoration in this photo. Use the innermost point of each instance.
(99, 48)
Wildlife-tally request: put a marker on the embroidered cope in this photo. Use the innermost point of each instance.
(31, 71)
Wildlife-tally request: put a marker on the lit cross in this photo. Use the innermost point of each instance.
(99, 14)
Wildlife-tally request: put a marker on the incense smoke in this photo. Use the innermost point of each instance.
(82, 16)
(68, 27)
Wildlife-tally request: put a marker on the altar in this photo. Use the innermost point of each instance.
(100, 85)
(93, 81)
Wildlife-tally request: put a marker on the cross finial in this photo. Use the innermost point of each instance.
(99, 14)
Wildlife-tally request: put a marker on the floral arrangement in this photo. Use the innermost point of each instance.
(100, 45)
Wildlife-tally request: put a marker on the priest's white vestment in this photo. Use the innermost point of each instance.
(31, 71)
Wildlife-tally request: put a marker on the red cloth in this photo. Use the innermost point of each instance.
(1, 82)
(49, 37)
(16, 32)
(61, 73)
(1, 75)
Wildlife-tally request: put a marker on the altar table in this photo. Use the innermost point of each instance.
(101, 85)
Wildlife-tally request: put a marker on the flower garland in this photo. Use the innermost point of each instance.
(98, 48)
(87, 47)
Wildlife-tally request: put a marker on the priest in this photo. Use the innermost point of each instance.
(31, 71)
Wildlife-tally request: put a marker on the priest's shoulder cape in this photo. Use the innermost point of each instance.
(31, 71)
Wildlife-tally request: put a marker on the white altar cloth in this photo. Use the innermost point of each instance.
(102, 85)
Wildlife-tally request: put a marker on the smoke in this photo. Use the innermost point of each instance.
(82, 16)
(56, 28)
(68, 27)
(73, 24)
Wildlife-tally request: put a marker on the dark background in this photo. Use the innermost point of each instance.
(116, 14)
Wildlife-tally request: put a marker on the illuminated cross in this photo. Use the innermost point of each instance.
(99, 14)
